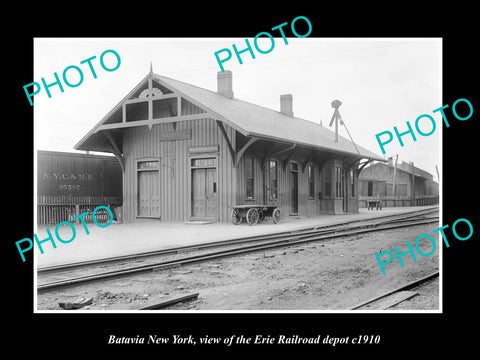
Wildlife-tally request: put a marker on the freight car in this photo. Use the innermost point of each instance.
(69, 184)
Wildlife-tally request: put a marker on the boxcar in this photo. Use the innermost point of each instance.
(69, 184)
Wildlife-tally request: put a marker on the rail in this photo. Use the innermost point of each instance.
(408, 286)
(259, 243)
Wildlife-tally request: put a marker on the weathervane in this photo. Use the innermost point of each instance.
(336, 116)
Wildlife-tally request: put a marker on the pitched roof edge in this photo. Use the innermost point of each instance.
(111, 112)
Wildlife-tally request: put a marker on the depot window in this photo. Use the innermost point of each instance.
(249, 178)
(327, 181)
(311, 182)
(338, 182)
(352, 183)
(273, 167)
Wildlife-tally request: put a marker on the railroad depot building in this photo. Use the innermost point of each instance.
(402, 184)
(189, 154)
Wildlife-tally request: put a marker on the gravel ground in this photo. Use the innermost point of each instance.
(331, 275)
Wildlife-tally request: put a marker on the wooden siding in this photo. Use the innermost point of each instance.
(381, 173)
(307, 206)
(142, 142)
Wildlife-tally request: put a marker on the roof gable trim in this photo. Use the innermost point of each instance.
(132, 97)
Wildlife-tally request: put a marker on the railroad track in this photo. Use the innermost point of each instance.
(190, 248)
(396, 296)
(223, 249)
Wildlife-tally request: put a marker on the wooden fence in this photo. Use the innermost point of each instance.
(56, 209)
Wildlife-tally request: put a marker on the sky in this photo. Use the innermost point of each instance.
(381, 83)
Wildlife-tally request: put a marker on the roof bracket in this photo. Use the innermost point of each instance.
(362, 166)
(291, 147)
(229, 143)
(307, 160)
(115, 149)
(289, 156)
(240, 153)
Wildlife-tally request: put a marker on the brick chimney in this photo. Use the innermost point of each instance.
(286, 104)
(224, 83)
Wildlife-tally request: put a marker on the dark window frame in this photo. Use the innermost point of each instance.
(327, 181)
(249, 178)
(273, 165)
(311, 181)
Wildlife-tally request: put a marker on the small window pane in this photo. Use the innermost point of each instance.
(148, 164)
(204, 162)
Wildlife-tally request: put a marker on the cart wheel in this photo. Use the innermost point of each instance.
(236, 218)
(276, 216)
(252, 216)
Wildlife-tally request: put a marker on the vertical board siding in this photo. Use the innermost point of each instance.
(141, 142)
(307, 207)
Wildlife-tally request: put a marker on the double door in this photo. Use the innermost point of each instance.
(204, 193)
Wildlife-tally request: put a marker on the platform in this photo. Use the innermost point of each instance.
(148, 234)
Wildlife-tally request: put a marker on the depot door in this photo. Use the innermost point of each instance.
(204, 190)
(148, 194)
(293, 188)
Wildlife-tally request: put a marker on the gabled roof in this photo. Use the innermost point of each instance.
(249, 119)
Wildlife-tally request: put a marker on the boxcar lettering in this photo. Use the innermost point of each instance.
(75, 75)
(22, 250)
(425, 129)
(69, 187)
(265, 49)
(423, 250)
